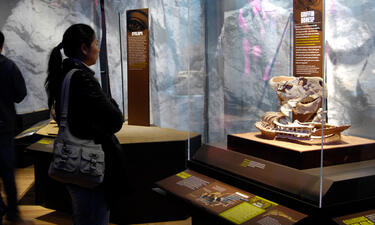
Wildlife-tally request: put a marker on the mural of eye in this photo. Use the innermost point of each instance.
(137, 21)
(314, 2)
(306, 4)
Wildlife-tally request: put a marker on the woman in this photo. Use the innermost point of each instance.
(91, 114)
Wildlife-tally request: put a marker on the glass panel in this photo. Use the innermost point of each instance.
(210, 67)
(350, 65)
(172, 61)
(350, 59)
(248, 46)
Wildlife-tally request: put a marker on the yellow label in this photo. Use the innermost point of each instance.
(245, 162)
(183, 175)
(45, 141)
(358, 221)
(242, 213)
(261, 202)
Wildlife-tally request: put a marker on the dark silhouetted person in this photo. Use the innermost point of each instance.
(12, 90)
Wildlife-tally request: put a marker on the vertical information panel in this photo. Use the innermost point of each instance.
(138, 67)
(308, 38)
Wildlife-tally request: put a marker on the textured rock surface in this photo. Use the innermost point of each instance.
(174, 49)
(241, 56)
(252, 49)
(247, 44)
(350, 65)
(32, 29)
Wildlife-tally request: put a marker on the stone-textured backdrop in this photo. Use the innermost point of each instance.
(32, 29)
(239, 64)
(230, 53)
(351, 65)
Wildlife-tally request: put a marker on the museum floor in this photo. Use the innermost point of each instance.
(43, 216)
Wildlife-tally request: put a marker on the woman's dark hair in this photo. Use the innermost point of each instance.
(73, 38)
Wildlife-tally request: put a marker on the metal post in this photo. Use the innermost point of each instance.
(122, 64)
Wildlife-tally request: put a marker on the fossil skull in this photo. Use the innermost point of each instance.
(303, 97)
(300, 95)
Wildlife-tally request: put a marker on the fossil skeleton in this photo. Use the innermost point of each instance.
(301, 96)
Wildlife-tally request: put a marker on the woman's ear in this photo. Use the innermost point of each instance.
(84, 49)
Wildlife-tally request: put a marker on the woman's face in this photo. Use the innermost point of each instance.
(91, 53)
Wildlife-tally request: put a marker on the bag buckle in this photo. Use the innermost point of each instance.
(93, 155)
(93, 158)
(93, 164)
(65, 150)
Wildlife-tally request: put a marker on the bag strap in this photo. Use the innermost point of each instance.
(65, 98)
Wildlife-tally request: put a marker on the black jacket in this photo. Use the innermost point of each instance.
(12, 90)
(91, 114)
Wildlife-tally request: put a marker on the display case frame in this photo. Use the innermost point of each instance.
(339, 170)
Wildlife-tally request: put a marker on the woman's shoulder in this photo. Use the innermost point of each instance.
(81, 73)
(70, 64)
(84, 82)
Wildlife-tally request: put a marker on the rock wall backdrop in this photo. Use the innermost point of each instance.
(209, 63)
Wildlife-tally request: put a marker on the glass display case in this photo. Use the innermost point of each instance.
(329, 160)
(218, 69)
(222, 69)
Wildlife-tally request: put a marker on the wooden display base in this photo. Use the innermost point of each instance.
(150, 154)
(300, 156)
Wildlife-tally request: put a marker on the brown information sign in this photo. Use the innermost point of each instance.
(228, 202)
(138, 67)
(362, 218)
(308, 38)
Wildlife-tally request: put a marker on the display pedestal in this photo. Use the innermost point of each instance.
(153, 153)
(26, 125)
(295, 188)
(304, 185)
(302, 156)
